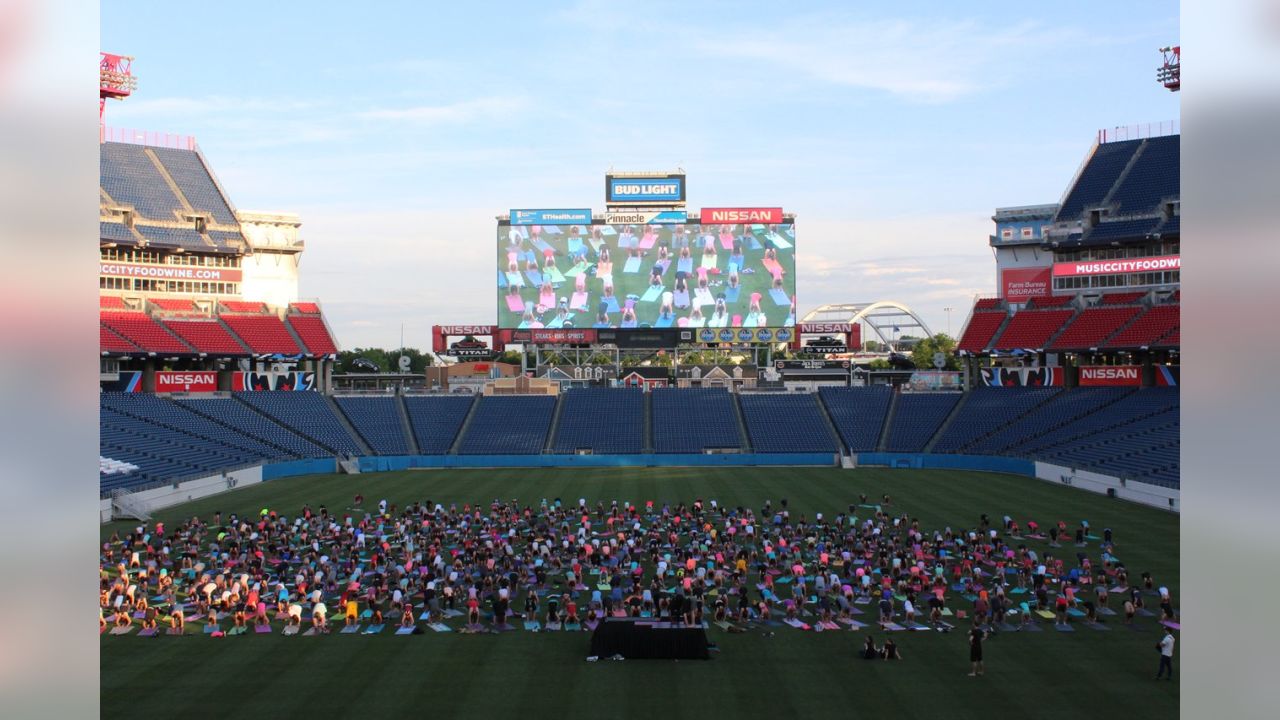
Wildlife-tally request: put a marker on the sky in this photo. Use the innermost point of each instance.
(398, 131)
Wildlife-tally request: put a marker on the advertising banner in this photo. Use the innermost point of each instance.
(562, 337)
(720, 216)
(577, 216)
(169, 272)
(186, 381)
(128, 381)
(1163, 263)
(936, 380)
(1168, 375)
(646, 217)
(467, 329)
(1021, 284)
(812, 364)
(655, 190)
(1023, 377)
(242, 381)
(1111, 375)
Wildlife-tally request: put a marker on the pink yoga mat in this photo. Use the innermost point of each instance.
(515, 303)
(578, 301)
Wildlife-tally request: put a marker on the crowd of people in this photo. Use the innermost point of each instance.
(569, 565)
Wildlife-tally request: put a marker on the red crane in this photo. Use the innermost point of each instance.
(117, 80)
(1167, 74)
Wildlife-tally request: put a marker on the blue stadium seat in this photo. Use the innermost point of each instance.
(918, 417)
(790, 423)
(130, 178)
(508, 425)
(693, 420)
(1096, 178)
(377, 419)
(858, 413)
(308, 414)
(1061, 410)
(1153, 178)
(605, 420)
(195, 182)
(240, 417)
(986, 410)
(436, 420)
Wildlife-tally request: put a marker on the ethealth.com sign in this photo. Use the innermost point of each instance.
(577, 216)
(645, 190)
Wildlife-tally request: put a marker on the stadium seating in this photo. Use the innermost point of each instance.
(197, 185)
(247, 421)
(1148, 328)
(206, 336)
(508, 425)
(111, 302)
(185, 238)
(377, 419)
(306, 413)
(858, 414)
(988, 304)
(1122, 298)
(263, 333)
(693, 420)
(162, 411)
(115, 232)
(981, 329)
(243, 306)
(127, 174)
(179, 305)
(1154, 177)
(1093, 326)
(786, 423)
(1050, 301)
(1031, 329)
(304, 308)
(436, 420)
(313, 333)
(987, 409)
(1121, 230)
(110, 342)
(1059, 410)
(142, 330)
(917, 418)
(1097, 177)
(605, 420)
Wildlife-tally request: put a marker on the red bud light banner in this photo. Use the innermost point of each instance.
(250, 381)
(1111, 376)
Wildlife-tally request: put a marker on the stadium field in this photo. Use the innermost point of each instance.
(791, 674)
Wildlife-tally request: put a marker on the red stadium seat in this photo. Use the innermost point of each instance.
(243, 306)
(1032, 328)
(174, 304)
(108, 341)
(982, 326)
(207, 336)
(1093, 326)
(311, 329)
(304, 308)
(111, 302)
(1148, 328)
(1052, 301)
(1127, 298)
(263, 333)
(142, 330)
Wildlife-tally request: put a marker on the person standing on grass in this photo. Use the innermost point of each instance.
(1165, 648)
(976, 636)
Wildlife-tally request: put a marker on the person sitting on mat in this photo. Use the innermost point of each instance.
(869, 649)
(890, 650)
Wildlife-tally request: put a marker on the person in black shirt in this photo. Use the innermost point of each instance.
(976, 636)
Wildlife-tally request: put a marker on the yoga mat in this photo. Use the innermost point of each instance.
(578, 301)
(1097, 626)
(1143, 612)
(772, 266)
(404, 631)
(663, 322)
(779, 296)
(575, 246)
(349, 630)
(541, 245)
(373, 630)
(1005, 627)
(262, 629)
(535, 277)
(147, 632)
(1075, 613)
(708, 262)
(1045, 614)
(697, 323)
(685, 265)
(1031, 627)
(731, 294)
(632, 265)
(797, 623)
(502, 283)
(532, 625)
(552, 273)
(551, 230)
(648, 241)
(574, 271)
(608, 230)
(514, 278)
(1106, 611)
(126, 629)
(612, 302)
(754, 320)
(1063, 628)
(917, 626)
(290, 630)
(682, 298)
(779, 242)
(546, 299)
(702, 296)
(892, 626)
(211, 628)
(753, 243)
(652, 294)
(1171, 624)
(440, 627)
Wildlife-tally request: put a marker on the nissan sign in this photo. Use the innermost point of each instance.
(734, 216)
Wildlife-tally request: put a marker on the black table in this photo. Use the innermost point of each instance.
(646, 638)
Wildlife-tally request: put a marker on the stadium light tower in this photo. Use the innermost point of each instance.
(116, 80)
(1168, 73)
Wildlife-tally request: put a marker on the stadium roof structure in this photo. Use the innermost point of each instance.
(888, 318)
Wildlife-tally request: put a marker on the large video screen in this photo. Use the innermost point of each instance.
(646, 276)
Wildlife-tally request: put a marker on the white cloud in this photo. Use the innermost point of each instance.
(462, 111)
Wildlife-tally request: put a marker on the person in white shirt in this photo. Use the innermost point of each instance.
(1166, 655)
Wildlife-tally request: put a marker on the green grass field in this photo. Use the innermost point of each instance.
(793, 674)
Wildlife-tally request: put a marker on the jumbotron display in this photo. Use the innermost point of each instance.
(646, 276)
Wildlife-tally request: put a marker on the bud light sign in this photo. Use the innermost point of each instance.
(660, 190)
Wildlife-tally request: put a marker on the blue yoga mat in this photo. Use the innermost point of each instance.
(779, 296)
